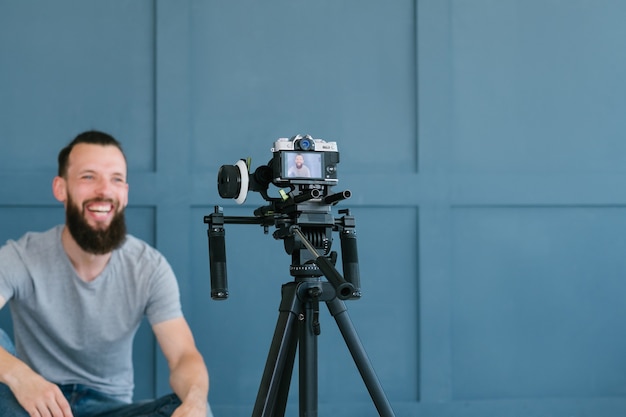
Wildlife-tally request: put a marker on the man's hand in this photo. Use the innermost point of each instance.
(39, 397)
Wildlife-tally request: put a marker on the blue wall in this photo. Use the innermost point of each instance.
(482, 141)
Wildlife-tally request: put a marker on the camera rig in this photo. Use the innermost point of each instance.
(302, 214)
(302, 217)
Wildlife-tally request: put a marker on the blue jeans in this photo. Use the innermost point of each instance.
(87, 402)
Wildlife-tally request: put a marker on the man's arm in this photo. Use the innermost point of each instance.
(36, 395)
(189, 377)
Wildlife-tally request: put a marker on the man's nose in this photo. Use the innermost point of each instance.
(103, 187)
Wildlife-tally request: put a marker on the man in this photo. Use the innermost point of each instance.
(299, 170)
(78, 293)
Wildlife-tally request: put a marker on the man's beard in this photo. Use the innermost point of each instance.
(95, 241)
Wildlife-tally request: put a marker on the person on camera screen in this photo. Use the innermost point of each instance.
(298, 169)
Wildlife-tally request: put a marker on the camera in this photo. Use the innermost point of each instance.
(306, 165)
(304, 160)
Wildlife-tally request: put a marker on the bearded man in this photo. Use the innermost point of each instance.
(78, 293)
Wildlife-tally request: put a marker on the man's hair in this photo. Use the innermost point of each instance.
(92, 137)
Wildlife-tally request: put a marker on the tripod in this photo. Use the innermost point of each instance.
(298, 323)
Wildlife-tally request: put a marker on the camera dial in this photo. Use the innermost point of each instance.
(304, 143)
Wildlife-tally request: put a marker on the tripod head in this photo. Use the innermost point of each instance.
(301, 215)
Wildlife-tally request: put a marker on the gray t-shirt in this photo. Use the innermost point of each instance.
(302, 172)
(75, 332)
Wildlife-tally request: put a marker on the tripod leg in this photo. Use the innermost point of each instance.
(271, 399)
(309, 330)
(339, 311)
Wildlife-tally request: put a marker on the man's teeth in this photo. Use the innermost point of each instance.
(100, 209)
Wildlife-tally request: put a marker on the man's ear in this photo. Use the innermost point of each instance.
(59, 189)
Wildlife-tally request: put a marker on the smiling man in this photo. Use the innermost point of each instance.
(78, 293)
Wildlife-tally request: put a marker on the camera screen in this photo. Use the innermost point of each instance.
(302, 165)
